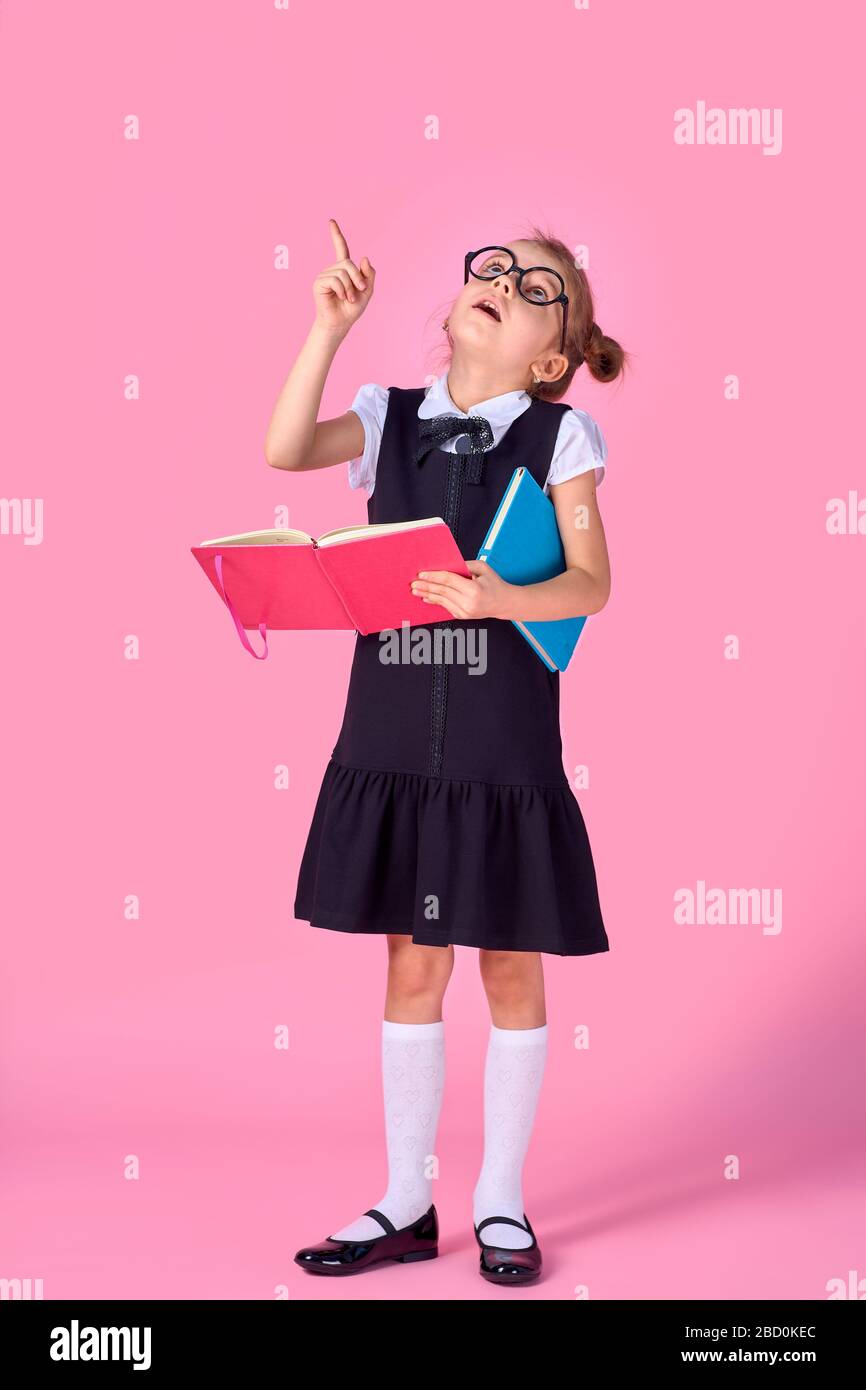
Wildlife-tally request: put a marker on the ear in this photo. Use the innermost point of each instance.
(550, 369)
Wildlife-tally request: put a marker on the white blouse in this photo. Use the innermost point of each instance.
(580, 444)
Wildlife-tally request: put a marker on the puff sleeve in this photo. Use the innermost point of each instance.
(370, 405)
(580, 445)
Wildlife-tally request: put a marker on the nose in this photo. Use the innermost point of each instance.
(504, 282)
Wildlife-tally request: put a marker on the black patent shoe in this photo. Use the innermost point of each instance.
(420, 1241)
(504, 1264)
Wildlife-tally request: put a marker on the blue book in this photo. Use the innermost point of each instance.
(524, 546)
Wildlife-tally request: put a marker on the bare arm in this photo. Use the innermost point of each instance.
(296, 439)
(582, 588)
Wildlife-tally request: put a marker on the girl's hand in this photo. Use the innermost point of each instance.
(342, 292)
(485, 595)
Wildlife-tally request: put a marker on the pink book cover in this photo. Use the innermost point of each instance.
(361, 584)
(373, 576)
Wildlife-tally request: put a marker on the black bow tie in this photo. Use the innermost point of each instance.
(434, 431)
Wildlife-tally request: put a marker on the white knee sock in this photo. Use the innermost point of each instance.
(413, 1076)
(512, 1081)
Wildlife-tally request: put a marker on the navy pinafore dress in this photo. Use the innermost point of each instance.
(444, 812)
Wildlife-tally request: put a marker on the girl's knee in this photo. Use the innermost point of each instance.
(513, 981)
(508, 965)
(415, 970)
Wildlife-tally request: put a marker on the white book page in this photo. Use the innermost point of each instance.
(383, 528)
(287, 537)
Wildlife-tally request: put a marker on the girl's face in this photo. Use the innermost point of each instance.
(520, 339)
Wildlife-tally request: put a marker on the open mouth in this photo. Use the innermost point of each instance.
(489, 306)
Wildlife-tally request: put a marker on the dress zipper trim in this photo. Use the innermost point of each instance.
(439, 670)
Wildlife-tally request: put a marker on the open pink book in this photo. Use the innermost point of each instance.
(355, 577)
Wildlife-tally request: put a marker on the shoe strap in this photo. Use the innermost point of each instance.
(380, 1216)
(506, 1221)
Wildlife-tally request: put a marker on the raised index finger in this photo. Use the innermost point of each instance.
(339, 240)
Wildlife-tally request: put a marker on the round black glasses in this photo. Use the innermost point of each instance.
(537, 284)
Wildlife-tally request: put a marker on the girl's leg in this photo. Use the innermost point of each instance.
(413, 1075)
(514, 1067)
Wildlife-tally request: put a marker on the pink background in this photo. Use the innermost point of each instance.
(156, 776)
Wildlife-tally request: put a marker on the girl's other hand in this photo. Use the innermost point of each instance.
(485, 595)
(342, 291)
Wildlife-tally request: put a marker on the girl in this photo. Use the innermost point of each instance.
(444, 816)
